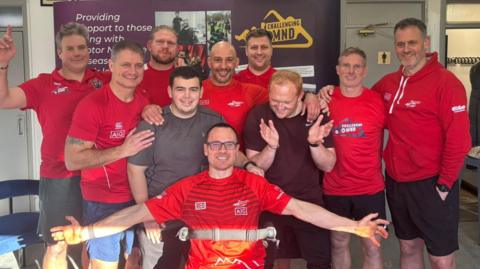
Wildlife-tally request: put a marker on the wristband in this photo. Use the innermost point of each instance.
(268, 145)
(313, 145)
(249, 162)
(91, 234)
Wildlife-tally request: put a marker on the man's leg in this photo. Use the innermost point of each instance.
(175, 251)
(151, 252)
(442, 262)
(104, 252)
(55, 256)
(58, 198)
(341, 258)
(411, 254)
(372, 255)
(363, 205)
(314, 244)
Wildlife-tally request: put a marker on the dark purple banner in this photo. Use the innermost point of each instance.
(306, 32)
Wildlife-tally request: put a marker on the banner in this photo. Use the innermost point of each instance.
(305, 32)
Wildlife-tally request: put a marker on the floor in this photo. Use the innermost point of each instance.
(467, 257)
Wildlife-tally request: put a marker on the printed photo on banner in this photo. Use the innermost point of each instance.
(219, 27)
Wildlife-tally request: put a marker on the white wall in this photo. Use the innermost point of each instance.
(41, 54)
(463, 43)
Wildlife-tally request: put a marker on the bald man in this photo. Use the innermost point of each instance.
(226, 96)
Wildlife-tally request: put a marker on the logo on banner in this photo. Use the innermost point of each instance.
(283, 30)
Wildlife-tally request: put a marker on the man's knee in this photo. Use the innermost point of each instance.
(57, 250)
(443, 262)
(411, 247)
(339, 241)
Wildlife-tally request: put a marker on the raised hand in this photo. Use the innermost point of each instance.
(71, 234)
(317, 132)
(269, 134)
(7, 48)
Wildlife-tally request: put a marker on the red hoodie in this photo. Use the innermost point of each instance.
(427, 122)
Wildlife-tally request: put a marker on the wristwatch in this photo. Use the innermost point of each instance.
(247, 163)
(442, 188)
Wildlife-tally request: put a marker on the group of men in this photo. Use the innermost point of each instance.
(190, 126)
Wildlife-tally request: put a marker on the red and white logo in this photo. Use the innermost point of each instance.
(200, 205)
(234, 103)
(458, 109)
(240, 208)
(412, 103)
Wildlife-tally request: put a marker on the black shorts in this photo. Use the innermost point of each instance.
(356, 206)
(298, 239)
(419, 212)
(58, 198)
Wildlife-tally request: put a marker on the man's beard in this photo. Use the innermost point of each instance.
(164, 62)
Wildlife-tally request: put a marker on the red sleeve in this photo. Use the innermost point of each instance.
(169, 204)
(453, 118)
(271, 197)
(32, 89)
(86, 120)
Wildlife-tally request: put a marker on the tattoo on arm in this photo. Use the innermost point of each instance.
(75, 141)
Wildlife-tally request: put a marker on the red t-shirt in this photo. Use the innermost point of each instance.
(154, 85)
(54, 99)
(246, 76)
(106, 120)
(358, 135)
(233, 101)
(234, 202)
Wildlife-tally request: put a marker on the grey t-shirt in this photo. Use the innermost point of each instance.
(177, 150)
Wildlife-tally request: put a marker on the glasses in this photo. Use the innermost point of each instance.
(217, 145)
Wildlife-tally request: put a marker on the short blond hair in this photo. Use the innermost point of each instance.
(282, 76)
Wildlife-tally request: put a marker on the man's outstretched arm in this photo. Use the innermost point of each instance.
(323, 218)
(118, 222)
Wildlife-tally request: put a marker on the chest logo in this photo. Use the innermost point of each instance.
(348, 128)
(240, 208)
(412, 103)
(235, 103)
(119, 132)
(387, 96)
(96, 83)
(458, 109)
(60, 89)
(200, 205)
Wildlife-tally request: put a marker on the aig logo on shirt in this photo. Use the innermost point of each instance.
(119, 132)
(240, 208)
